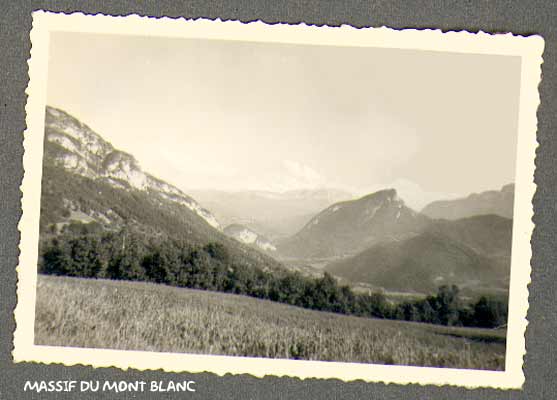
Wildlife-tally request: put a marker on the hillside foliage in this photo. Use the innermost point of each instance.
(85, 252)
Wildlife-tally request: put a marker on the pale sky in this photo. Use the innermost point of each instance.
(239, 115)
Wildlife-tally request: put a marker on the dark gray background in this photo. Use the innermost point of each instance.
(520, 17)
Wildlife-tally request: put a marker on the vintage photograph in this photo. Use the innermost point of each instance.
(279, 199)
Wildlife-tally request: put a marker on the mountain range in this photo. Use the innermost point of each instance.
(380, 242)
(375, 239)
(86, 180)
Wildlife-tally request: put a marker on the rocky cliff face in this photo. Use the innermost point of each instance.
(74, 146)
(249, 237)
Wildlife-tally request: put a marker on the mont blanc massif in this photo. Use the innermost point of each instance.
(374, 243)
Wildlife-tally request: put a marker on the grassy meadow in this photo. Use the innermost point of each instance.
(143, 316)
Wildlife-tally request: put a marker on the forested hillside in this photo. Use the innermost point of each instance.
(472, 253)
(122, 256)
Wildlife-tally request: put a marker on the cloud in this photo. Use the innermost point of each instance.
(294, 175)
(302, 174)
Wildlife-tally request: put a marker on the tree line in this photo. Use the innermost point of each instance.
(125, 256)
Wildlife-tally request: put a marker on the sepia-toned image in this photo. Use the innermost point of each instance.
(279, 201)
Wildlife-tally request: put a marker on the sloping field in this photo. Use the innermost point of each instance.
(140, 316)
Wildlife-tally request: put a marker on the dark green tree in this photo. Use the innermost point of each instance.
(448, 304)
(56, 260)
(490, 312)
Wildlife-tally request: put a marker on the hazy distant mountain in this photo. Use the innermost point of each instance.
(248, 236)
(351, 226)
(272, 214)
(472, 253)
(491, 202)
(87, 180)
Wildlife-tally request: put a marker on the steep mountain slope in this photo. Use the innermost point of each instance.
(490, 235)
(87, 180)
(248, 236)
(351, 226)
(491, 202)
(472, 253)
(272, 214)
(72, 145)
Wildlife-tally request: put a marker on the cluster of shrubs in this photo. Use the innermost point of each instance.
(121, 255)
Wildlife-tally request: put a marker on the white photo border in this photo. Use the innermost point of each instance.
(529, 49)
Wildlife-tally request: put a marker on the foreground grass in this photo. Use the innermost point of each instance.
(141, 316)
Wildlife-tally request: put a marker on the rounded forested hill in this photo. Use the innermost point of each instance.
(473, 253)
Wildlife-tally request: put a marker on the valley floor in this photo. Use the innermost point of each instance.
(142, 316)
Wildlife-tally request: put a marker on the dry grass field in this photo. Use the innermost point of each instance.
(141, 316)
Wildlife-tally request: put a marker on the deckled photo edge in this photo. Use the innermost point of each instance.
(529, 48)
(523, 225)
